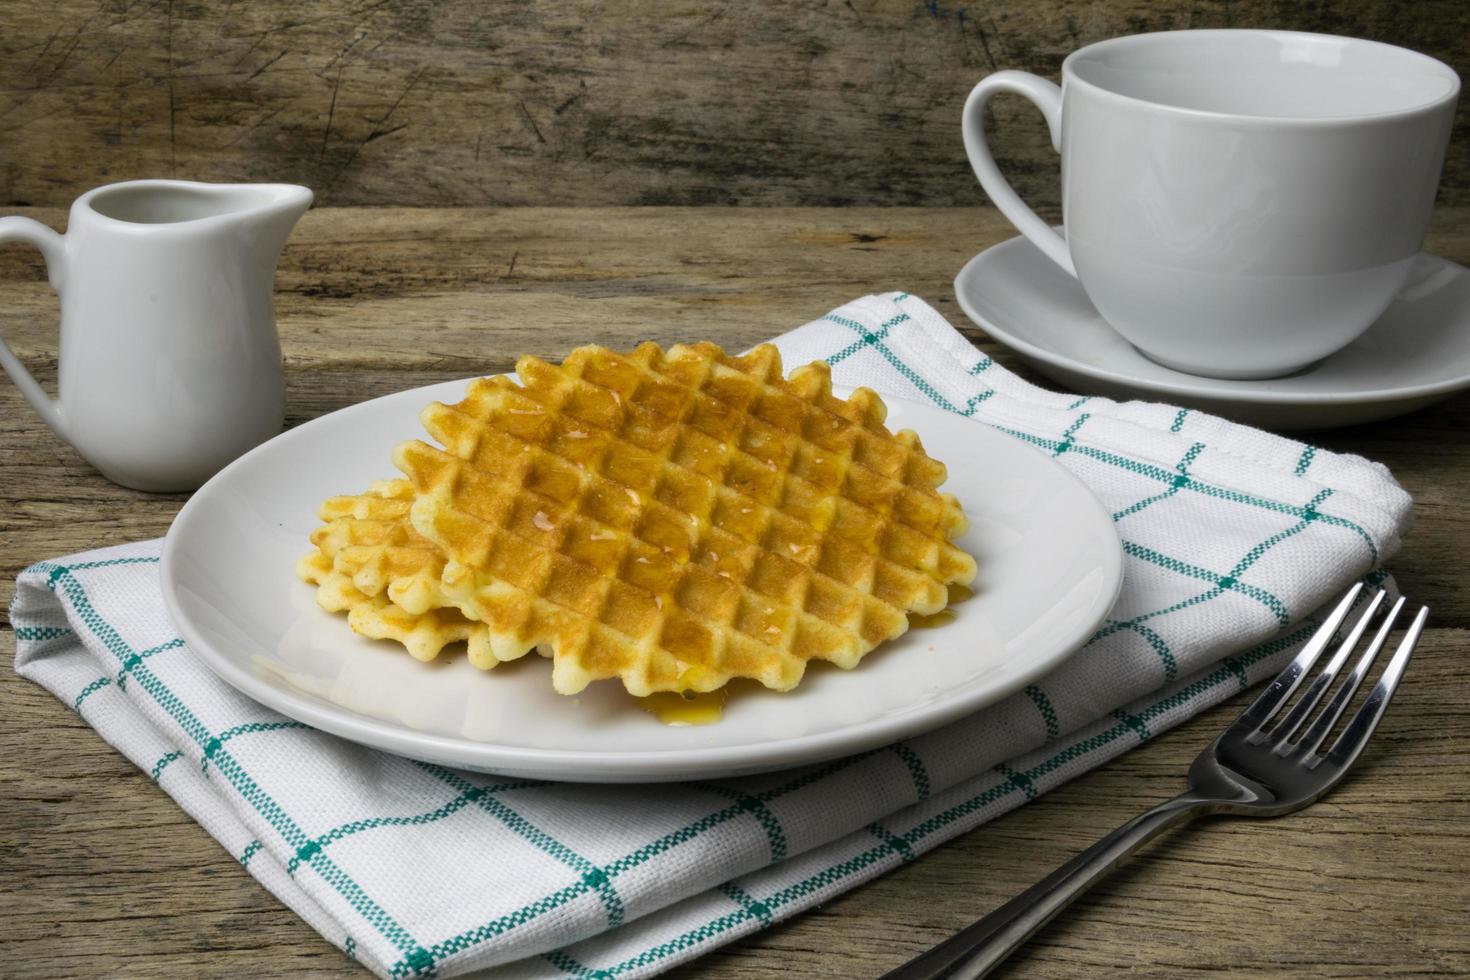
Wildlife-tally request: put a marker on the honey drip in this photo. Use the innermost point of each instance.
(957, 593)
(685, 708)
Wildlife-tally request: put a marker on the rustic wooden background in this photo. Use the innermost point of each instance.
(845, 102)
(103, 875)
(407, 102)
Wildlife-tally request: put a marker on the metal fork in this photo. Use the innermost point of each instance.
(1259, 767)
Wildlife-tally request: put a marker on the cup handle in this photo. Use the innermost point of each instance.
(53, 248)
(1048, 98)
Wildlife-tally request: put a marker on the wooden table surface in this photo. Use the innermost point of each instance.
(1373, 881)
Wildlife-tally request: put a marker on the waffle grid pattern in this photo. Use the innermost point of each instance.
(370, 563)
(677, 520)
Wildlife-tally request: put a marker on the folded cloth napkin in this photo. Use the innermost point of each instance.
(1233, 538)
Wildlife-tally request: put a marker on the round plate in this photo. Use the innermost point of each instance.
(1050, 568)
(1417, 353)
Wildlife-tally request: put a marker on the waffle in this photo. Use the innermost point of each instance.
(674, 520)
(372, 564)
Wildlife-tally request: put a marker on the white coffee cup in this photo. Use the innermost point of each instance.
(1237, 203)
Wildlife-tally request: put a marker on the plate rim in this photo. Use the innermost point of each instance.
(621, 766)
(1178, 389)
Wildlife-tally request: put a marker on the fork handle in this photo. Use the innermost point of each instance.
(979, 948)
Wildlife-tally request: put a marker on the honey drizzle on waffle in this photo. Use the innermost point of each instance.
(654, 516)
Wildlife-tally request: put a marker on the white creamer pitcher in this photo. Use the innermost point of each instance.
(170, 366)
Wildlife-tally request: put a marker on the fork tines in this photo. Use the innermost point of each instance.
(1263, 712)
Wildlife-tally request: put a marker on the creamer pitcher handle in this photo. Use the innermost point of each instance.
(53, 249)
(1048, 98)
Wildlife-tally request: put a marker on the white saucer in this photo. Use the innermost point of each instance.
(1050, 568)
(1416, 354)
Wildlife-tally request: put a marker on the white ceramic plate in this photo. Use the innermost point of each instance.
(1050, 568)
(1416, 354)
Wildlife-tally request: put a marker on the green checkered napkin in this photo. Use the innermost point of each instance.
(1233, 537)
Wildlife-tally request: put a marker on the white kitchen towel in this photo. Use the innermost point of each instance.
(1233, 538)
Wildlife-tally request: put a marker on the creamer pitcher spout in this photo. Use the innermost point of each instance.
(270, 222)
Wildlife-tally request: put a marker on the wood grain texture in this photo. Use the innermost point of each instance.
(372, 301)
(102, 875)
(1368, 883)
(409, 102)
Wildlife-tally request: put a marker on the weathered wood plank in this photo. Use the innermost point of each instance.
(101, 874)
(422, 288)
(1337, 890)
(373, 301)
(377, 301)
(581, 103)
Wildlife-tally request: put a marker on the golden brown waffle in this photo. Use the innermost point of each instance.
(372, 564)
(677, 520)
